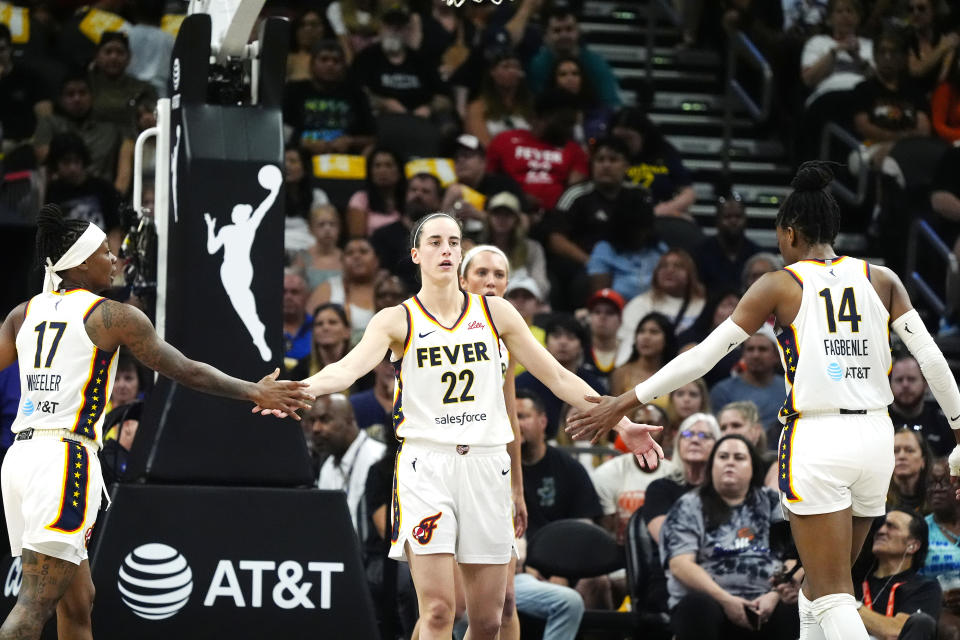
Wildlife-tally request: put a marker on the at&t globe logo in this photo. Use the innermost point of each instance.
(155, 581)
(834, 371)
(27, 407)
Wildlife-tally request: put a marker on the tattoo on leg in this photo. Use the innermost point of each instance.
(45, 579)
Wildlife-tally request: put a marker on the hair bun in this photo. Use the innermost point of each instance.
(51, 219)
(812, 176)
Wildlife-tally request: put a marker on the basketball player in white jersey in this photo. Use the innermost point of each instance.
(452, 488)
(836, 448)
(65, 341)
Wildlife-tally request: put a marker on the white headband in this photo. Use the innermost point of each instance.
(85, 246)
(478, 249)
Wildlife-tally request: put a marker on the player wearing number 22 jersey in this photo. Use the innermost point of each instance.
(456, 406)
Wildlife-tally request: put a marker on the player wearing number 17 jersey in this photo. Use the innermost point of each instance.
(65, 341)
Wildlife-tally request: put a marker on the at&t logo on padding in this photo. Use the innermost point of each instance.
(155, 581)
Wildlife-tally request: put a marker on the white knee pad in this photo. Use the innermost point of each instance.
(838, 617)
(809, 626)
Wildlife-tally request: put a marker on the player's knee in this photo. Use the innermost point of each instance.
(437, 613)
(39, 610)
(485, 625)
(78, 605)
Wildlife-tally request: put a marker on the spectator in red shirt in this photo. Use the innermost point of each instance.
(544, 160)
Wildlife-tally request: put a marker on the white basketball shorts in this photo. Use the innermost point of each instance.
(829, 462)
(51, 495)
(450, 502)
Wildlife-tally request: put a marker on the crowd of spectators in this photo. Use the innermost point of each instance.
(530, 144)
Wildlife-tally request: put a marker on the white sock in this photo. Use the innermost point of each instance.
(809, 627)
(838, 617)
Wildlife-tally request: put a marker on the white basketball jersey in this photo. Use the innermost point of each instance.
(449, 386)
(65, 379)
(836, 354)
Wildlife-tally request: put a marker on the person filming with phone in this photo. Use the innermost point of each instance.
(715, 544)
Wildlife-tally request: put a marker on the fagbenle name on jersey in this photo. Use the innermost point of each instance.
(43, 382)
(846, 347)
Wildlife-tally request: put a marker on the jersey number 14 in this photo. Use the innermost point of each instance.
(847, 312)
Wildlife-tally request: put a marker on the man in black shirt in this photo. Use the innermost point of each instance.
(391, 242)
(555, 486)
(910, 409)
(328, 113)
(896, 602)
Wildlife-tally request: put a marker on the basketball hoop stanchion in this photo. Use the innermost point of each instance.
(219, 533)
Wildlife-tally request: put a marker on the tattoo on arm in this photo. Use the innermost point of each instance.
(133, 329)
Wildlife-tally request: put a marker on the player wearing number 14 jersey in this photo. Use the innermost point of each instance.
(835, 456)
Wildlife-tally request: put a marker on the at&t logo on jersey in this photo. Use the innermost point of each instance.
(423, 532)
(834, 371)
(27, 408)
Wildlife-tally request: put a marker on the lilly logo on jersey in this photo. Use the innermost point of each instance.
(27, 408)
(834, 371)
(475, 325)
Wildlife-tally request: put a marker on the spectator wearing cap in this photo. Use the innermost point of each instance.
(722, 256)
(602, 230)
(562, 38)
(565, 340)
(399, 79)
(603, 319)
(505, 102)
(328, 113)
(525, 296)
(468, 195)
(758, 382)
(544, 160)
(507, 230)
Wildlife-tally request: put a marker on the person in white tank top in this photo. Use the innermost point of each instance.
(65, 341)
(438, 472)
(836, 449)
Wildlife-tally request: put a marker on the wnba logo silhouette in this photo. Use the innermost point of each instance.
(236, 239)
(423, 532)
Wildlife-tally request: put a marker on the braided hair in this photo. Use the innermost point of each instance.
(56, 233)
(811, 210)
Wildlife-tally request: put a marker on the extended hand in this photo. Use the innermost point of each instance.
(734, 609)
(765, 605)
(638, 439)
(281, 396)
(592, 424)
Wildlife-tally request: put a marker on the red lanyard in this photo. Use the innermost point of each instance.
(868, 601)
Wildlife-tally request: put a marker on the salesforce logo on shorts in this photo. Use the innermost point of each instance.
(835, 371)
(155, 581)
(27, 407)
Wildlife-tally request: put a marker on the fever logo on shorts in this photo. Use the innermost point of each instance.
(423, 532)
(155, 581)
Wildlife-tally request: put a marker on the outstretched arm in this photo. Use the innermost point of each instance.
(387, 328)
(113, 324)
(752, 311)
(564, 384)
